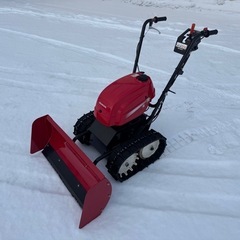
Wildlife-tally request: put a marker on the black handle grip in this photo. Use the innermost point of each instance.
(213, 32)
(158, 19)
(207, 33)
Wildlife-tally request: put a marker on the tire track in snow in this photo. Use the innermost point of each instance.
(103, 23)
(97, 22)
(28, 71)
(68, 85)
(186, 137)
(185, 203)
(221, 48)
(41, 183)
(74, 47)
(197, 168)
(213, 190)
(194, 168)
(44, 88)
(213, 197)
(224, 95)
(36, 175)
(33, 177)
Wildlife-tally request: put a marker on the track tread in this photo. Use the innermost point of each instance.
(81, 127)
(123, 151)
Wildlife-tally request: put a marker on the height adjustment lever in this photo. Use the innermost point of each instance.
(153, 28)
(171, 91)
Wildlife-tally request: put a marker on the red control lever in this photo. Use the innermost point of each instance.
(192, 28)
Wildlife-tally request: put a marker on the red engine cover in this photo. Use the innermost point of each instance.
(124, 99)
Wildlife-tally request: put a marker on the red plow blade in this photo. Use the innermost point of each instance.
(83, 179)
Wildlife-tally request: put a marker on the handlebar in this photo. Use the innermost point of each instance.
(159, 19)
(188, 41)
(149, 21)
(204, 33)
(207, 33)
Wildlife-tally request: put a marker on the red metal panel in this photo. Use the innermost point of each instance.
(98, 189)
(124, 100)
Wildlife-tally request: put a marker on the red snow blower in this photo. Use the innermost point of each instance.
(119, 128)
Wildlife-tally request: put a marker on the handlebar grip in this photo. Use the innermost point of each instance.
(158, 19)
(213, 32)
(207, 33)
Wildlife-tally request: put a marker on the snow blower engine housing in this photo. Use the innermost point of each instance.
(119, 128)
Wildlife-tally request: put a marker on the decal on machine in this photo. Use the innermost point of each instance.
(104, 106)
(181, 46)
(142, 105)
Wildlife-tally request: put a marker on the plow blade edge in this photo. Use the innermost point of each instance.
(83, 179)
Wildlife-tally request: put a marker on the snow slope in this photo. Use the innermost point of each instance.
(56, 56)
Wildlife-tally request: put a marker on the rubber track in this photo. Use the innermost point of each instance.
(81, 126)
(121, 153)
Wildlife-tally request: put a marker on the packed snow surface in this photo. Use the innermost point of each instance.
(55, 58)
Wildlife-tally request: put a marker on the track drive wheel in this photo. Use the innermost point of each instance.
(133, 156)
(81, 127)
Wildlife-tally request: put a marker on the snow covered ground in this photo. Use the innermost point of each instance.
(57, 55)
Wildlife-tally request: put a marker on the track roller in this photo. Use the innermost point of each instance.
(133, 156)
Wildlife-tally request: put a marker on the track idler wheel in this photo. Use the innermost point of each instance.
(136, 154)
(81, 127)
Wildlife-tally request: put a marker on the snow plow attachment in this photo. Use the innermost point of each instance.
(83, 179)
